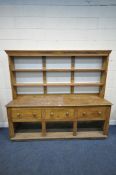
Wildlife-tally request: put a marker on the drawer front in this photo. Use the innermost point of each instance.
(59, 114)
(25, 114)
(92, 113)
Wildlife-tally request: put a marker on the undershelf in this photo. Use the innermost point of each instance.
(60, 135)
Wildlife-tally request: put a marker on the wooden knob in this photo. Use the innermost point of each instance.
(34, 115)
(18, 115)
(51, 113)
(84, 113)
(67, 113)
(99, 113)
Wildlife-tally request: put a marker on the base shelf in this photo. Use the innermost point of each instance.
(60, 135)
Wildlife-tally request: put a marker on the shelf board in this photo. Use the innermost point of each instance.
(41, 70)
(60, 135)
(88, 84)
(28, 84)
(56, 84)
(57, 70)
(89, 70)
(27, 70)
(41, 84)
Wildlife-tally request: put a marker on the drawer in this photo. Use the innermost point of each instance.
(92, 113)
(25, 114)
(59, 114)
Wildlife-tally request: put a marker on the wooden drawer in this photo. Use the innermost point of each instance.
(92, 113)
(59, 114)
(25, 114)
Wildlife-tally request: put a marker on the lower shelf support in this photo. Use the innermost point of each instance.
(59, 135)
(43, 128)
(74, 128)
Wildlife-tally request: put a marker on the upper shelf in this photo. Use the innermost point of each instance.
(25, 64)
(56, 84)
(55, 53)
(58, 70)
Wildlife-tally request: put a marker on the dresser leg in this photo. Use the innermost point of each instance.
(43, 128)
(11, 125)
(106, 122)
(74, 128)
(106, 127)
(11, 130)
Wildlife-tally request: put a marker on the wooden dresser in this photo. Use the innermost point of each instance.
(64, 87)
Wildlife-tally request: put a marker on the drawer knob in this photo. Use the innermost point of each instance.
(99, 113)
(67, 113)
(84, 113)
(51, 113)
(34, 115)
(19, 115)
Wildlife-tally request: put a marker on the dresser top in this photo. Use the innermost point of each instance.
(58, 52)
(58, 100)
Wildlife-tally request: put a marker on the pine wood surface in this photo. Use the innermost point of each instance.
(58, 70)
(86, 53)
(55, 84)
(59, 135)
(58, 100)
(58, 107)
(72, 54)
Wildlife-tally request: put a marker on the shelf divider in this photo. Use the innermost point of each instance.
(72, 73)
(44, 73)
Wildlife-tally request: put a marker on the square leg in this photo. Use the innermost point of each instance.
(74, 128)
(11, 125)
(106, 122)
(43, 128)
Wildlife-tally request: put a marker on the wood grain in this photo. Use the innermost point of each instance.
(60, 135)
(104, 75)
(10, 123)
(72, 73)
(12, 77)
(56, 107)
(55, 84)
(25, 114)
(92, 113)
(44, 74)
(58, 100)
(87, 53)
(58, 70)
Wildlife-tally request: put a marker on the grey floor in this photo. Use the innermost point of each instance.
(58, 157)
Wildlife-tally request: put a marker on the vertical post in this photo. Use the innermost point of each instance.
(75, 124)
(12, 77)
(11, 126)
(106, 122)
(72, 73)
(74, 128)
(103, 75)
(44, 73)
(43, 124)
